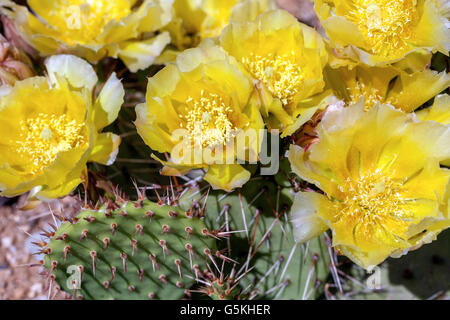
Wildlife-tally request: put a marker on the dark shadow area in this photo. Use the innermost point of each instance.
(426, 271)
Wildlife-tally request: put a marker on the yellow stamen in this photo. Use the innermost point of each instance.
(44, 137)
(373, 202)
(208, 119)
(371, 95)
(281, 74)
(385, 24)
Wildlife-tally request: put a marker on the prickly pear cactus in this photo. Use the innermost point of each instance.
(129, 250)
(268, 262)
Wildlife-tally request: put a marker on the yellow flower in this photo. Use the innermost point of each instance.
(94, 29)
(385, 192)
(196, 20)
(389, 85)
(378, 32)
(206, 99)
(287, 59)
(51, 127)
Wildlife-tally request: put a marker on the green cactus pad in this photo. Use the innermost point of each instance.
(259, 222)
(129, 250)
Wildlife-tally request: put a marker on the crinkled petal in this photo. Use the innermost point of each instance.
(439, 111)
(138, 55)
(227, 177)
(306, 219)
(108, 103)
(77, 71)
(411, 91)
(105, 149)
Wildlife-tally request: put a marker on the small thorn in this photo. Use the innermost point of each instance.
(106, 242)
(41, 244)
(123, 255)
(80, 273)
(150, 214)
(131, 288)
(113, 228)
(189, 214)
(189, 231)
(223, 257)
(38, 264)
(51, 280)
(134, 245)
(74, 285)
(46, 251)
(139, 229)
(66, 252)
(206, 233)
(187, 292)
(208, 253)
(173, 214)
(151, 295)
(197, 272)
(178, 264)
(163, 245)
(165, 229)
(179, 284)
(62, 237)
(47, 234)
(90, 219)
(188, 247)
(163, 279)
(113, 274)
(123, 213)
(84, 234)
(141, 274)
(106, 285)
(53, 266)
(152, 257)
(93, 255)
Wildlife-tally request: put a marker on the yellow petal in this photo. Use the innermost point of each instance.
(411, 91)
(78, 72)
(227, 177)
(105, 149)
(108, 103)
(306, 219)
(439, 111)
(138, 55)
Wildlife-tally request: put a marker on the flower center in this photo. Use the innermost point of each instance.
(44, 137)
(281, 74)
(371, 95)
(385, 24)
(208, 120)
(371, 202)
(83, 20)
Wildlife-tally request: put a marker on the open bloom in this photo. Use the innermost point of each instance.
(51, 127)
(385, 192)
(94, 29)
(286, 59)
(388, 85)
(208, 101)
(378, 32)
